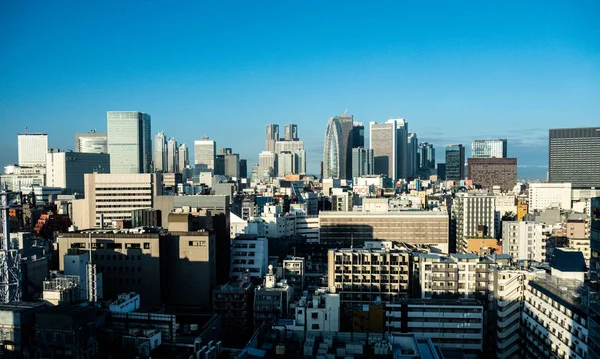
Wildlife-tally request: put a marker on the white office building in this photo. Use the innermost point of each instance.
(91, 142)
(129, 142)
(172, 163)
(250, 254)
(160, 152)
(204, 153)
(549, 195)
(32, 149)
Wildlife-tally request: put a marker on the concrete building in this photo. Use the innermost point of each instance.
(318, 312)
(574, 156)
(183, 157)
(172, 163)
(489, 148)
(402, 148)
(490, 172)
(549, 195)
(32, 149)
(362, 162)
(249, 254)
(204, 153)
(232, 165)
(455, 163)
(286, 163)
(267, 163)
(362, 276)
(129, 142)
(425, 160)
(354, 228)
(290, 132)
(113, 197)
(294, 270)
(271, 137)
(67, 169)
(235, 302)
(383, 143)
(526, 240)
(271, 300)
(91, 142)
(19, 178)
(473, 216)
(17, 327)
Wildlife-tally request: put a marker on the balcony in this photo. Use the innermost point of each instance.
(509, 321)
(510, 330)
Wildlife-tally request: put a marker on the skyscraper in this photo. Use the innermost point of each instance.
(232, 165)
(286, 163)
(358, 135)
(402, 148)
(290, 132)
(455, 162)
(383, 143)
(172, 156)
(574, 156)
(426, 160)
(337, 152)
(204, 153)
(412, 147)
(267, 164)
(243, 168)
(129, 141)
(183, 157)
(362, 162)
(91, 142)
(160, 152)
(489, 148)
(272, 137)
(32, 150)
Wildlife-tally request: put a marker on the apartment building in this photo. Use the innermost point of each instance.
(526, 240)
(271, 300)
(363, 276)
(473, 216)
(249, 254)
(294, 270)
(234, 302)
(549, 195)
(318, 312)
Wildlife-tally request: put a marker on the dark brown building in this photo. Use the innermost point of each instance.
(234, 302)
(489, 172)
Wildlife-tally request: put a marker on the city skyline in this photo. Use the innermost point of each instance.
(459, 75)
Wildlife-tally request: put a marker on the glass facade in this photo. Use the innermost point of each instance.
(129, 142)
(455, 162)
(574, 156)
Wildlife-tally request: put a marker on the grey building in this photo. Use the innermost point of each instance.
(91, 142)
(232, 165)
(67, 169)
(574, 156)
(172, 156)
(160, 152)
(383, 144)
(272, 136)
(473, 216)
(183, 157)
(337, 152)
(402, 166)
(455, 162)
(290, 132)
(412, 148)
(204, 153)
(489, 148)
(129, 141)
(362, 162)
(425, 160)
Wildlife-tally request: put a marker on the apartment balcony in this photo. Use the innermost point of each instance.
(510, 330)
(509, 321)
(508, 310)
(507, 344)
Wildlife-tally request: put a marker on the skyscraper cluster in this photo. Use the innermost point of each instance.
(282, 156)
(168, 156)
(342, 135)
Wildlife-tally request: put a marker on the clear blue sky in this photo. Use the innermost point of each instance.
(457, 71)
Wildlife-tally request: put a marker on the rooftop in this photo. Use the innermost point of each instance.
(565, 291)
(567, 261)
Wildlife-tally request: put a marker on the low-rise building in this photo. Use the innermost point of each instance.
(271, 300)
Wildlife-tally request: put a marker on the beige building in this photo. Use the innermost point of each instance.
(362, 276)
(414, 227)
(114, 196)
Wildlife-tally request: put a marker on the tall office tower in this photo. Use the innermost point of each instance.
(489, 148)
(411, 155)
(272, 137)
(183, 157)
(362, 162)
(455, 162)
(67, 169)
(574, 156)
(402, 148)
(243, 168)
(160, 152)
(224, 151)
(204, 153)
(337, 152)
(594, 282)
(358, 135)
(473, 216)
(286, 163)
(290, 132)
(33, 148)
(383, 144)
(300, 161)
(267, 161)
(425, 160)
(172, 156)
(91, 142)
(232, 165)
(219, 165)
(129, 141)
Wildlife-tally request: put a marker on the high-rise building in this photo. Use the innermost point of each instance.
(267, 161)
(425, 160)
(362, 162)
(402, 165)
(286, 163)
(290, 132)
(91, 142)
(358, 135)
(172, 156)
(232, 165)
(473, 217)
(574, 156)
(32, 149)
(129, 141)
(383, 143)
(243, 168)
(489, 172)
(272, 137)
(224, 151)
(412, 148)
(67, 169)
(337, 152)
(160, 152)
(204, 153)
(183, 157)
(489, 148)
(455, 162)
(594, 281)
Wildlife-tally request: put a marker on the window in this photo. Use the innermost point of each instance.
(146, 245)
(315, 326)
(133, 245)
(315, 316)
(197, 243)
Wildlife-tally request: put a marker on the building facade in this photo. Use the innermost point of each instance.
(549, 195)
(384, 146)
(67, 169)
(129, 142)
(362, 162)
(574, 156)
(160, 152)
(489, 172)
(455, 162)
(32, 149)
(525, 240)
(91, 142)
(204, 153)
(272, 136)
(473, 216)
(489, 148)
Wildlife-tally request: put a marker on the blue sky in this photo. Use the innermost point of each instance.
(457, 71)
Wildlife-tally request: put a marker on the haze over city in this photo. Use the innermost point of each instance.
(225, 70)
